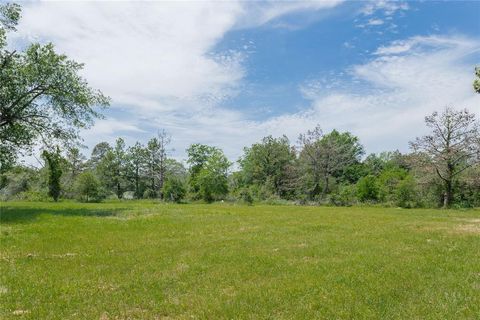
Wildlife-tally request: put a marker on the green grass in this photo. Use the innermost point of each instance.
(142, 260)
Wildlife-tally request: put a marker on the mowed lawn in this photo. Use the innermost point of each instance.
(146, 260)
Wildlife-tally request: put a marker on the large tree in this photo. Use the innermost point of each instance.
(328, 155)
(42, 95)
(113, 168)
(208, 171)
(157, 156)
(268, 163)
(98, 153)
(53, 162)
(452, 147)
(136, 165)
(164, 140)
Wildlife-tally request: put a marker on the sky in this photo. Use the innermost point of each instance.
(229, 73)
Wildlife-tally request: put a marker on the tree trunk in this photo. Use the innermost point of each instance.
(136, 183)
(448, 195)
(119, 191)
(325, 187)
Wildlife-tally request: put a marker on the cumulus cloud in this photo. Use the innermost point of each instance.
(388, 96)
(383, 101)
(386, 7)
(381, 13)
(155, 59)
(159, 64)
(143, 54)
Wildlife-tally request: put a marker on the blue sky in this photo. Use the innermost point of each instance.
(228, 74)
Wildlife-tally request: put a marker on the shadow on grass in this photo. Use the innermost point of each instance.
(26, 214)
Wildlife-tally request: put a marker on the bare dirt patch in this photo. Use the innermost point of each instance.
(469, 226)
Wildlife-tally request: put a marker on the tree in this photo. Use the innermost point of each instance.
(53, 161)
(42, 95)
(98, 153)
(75, 161)
(164, 140)
(113, 166)
(269, 163)
(328, 155)
(9, 17)
(88, 186)
(476, 82)
(136, 161)
(175, 170)
(311, 154)
(452, 147)
(208, 171)
(367, 188)
(157, 161)
(174, 190)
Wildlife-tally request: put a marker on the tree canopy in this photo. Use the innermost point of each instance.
(452, 147)
(43, 97)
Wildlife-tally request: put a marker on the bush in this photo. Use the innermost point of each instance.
(174, 190)
(245, 196)
(346, 196)
(88, 188)
(406, 193)
(32, 196)
(149, 194)
(367, 189)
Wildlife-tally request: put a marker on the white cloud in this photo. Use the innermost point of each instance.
(142, 54)
(156, 61)
(381, 13)
(386, 7)
(375, 22)
(397, 88)
(261, 12)
(383, 101)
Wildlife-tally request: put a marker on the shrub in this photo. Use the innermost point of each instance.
(367, 189)
(88, 188)
(149, 194)
(406, 193)
(174, 190)
(346, 196)
(245, 196)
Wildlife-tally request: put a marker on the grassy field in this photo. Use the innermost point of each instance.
(143, 260)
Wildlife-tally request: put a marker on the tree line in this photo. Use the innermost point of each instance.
(442, 169)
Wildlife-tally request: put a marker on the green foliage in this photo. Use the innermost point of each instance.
(9, 16)
(406, 193)
(19, 180)
(42, 97)
(326, 157)
(149, 194)
(367, 189)
(245, 196)
(451, 147)
(346, 195)
(53, 161)
(269, 163)
(388, 182)
(88, 187)
(174, 190)
(112, 168)
(136, 159)
(208, 172)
